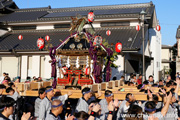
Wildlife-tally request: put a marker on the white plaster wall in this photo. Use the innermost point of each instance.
(24, 67)
(166, 65)
(150, 69)
(95, 25)
(42, 67)
(9, 65)
(146, 46)
(118, 72)
(29, 66)
(134, 23)
(47, 67)
(2, 32)
(35, 65)
(165, 54)
(44, 27)
(155, 48)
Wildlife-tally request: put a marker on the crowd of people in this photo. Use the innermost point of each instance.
(51, 105)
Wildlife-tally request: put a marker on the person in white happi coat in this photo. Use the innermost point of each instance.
(109, 97)
(125, 105)
(45, 105)
(56, 109)
(82, 104)
(42, 95)
(150, 109)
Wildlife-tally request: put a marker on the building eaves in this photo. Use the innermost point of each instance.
(104, 7)
(125, 35)
(166, 46)
(33, 9)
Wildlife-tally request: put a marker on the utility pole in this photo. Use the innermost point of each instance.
(143, 13)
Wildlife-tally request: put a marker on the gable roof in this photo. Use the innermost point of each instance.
(105, 12)
(128, 36)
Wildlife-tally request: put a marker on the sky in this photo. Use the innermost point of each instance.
(167, 11)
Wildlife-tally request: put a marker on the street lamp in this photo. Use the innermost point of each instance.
(143, 13)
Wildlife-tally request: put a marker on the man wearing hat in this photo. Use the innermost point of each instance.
(45, 105)
(82, 104)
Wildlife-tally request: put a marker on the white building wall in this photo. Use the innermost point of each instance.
(2, 32)
(150, 69)
(29, 69)
(44, 27)
(24, 67)
(146, 46)
(134, 23)
(155, 48)
(35, 65)
(47, 67)
(9, 65)
(95, 25)
(118, 72)
(165, 66)
(165, 54)
(42, 67)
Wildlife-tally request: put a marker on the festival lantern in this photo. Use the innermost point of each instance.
(20, 37)
(118, 47)
(47, 38)
(91, 16)
(158, 27)
(40, 43)
(97, 40)
(108, 32)
(137, 27)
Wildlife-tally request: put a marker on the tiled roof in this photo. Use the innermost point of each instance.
(23, 16)
(110, 11)
(166, 46)
(128, 36)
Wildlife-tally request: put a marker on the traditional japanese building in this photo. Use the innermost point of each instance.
(20, 56)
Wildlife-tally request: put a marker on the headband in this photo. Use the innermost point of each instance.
(109, 95)
(86, 92)
(150, 110)
(48, 90)
(55, 106)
